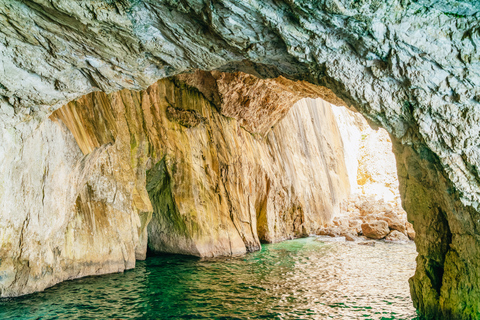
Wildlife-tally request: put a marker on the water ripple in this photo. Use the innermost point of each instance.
(298, 279)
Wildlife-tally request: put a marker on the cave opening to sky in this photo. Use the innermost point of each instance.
(374, 186)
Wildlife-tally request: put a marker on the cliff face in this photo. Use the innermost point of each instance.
(163, 168)
(410, 66)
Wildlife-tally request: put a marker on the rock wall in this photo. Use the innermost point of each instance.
(163, 168)
(351, 125)
(56, 206)
(369, 157)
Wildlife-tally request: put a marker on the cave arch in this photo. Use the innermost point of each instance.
(257, 105)
(419, 84)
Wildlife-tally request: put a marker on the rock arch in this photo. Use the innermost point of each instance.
(410, 67)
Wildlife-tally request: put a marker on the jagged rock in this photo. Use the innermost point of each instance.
(337, 221)
(410, 231)
(356, 224)
(257, 104)
(395, 224)
(375, 230)
(370, 205)
(396, 236)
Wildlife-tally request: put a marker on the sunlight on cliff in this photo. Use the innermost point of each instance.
(369, 157)
(373, 209)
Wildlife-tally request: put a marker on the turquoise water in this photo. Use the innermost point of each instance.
(298, 279)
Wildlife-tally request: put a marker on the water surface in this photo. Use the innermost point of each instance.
(298, 279)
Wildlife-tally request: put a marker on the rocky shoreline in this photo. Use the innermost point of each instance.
(365, 217)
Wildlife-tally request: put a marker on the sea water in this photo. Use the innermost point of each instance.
(310, 278)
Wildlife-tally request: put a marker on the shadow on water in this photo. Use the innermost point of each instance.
(298, 279)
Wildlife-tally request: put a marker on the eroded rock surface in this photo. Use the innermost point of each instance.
(373, 177)
(375, 229)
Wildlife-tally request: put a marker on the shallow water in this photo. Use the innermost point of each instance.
(298, 279)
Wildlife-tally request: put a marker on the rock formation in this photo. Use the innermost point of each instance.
(375, 195)
(411, 67)
(164, 168)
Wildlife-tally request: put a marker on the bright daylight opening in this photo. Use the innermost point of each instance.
(373, 209)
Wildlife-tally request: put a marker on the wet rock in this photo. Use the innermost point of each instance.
(375, 55)
(160, 168)
(375, 230)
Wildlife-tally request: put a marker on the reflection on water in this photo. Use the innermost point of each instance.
(298, 279)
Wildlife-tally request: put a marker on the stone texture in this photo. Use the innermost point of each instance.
(375, 230)
(63, 215)
(396, 236)
(409, 66)
(410, 231)
(395, 224)
(377, 171)
(256, 103)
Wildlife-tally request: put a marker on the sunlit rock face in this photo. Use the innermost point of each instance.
(411, 67)
(63, 215)
(163, 168)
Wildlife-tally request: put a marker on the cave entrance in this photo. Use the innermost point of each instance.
(215, 164)
(373, 208)
(224, 162)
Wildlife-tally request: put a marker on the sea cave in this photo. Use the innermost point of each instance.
(272, 153)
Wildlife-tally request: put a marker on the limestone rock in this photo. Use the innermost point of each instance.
(395, 224)
(396, 236)
(375, 230)
(410, 231)
(160, 167)
(377, 173)
(331, 232)
(356, 224)
(370, 205)
(257, 104)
